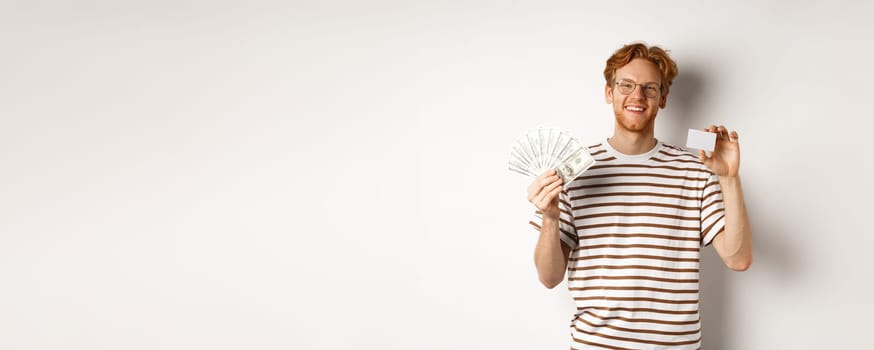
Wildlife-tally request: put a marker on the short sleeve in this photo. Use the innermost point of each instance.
(712, 210)
(565, 226)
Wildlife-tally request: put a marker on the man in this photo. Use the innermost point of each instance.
(629, 230)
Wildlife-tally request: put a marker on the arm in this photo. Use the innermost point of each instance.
(550, 255)
(734, 244)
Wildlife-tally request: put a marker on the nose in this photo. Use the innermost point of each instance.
(638, 92)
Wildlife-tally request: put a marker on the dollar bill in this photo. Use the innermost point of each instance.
(543, 149)
(521, 157)
(534, 144)
(574, 165)
(521, 170)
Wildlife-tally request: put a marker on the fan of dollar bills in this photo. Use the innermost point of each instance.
(542, 149)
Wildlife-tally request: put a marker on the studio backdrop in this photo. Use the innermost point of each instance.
(333, 174)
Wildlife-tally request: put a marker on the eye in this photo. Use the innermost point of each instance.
(653, 89)
(624, 85)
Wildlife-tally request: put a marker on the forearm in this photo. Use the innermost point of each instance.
(549, 257)
(737, 237)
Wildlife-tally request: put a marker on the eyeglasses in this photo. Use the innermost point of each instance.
(651, 90)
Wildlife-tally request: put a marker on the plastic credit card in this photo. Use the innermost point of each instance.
(701, 140)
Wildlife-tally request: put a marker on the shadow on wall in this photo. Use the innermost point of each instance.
(684, 106)
(714, 309)
(769, 256)
(772, 258)
(684, 99)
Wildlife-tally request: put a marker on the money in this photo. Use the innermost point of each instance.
(575, 165)
(543, 149)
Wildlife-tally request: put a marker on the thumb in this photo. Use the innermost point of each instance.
(703, 157)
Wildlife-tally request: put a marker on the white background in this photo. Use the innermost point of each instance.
(332, 174)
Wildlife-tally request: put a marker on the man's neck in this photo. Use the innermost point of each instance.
(632, 143)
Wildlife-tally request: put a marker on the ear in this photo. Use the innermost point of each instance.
(608, 94)
(663, 101)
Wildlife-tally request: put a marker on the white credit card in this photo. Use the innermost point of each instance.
(698, 139)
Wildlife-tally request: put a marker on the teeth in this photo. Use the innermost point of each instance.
(636, 109)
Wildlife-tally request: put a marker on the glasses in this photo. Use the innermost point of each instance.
(651, 90)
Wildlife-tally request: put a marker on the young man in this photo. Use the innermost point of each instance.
(629, 230)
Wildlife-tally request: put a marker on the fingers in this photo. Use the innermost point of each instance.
(547, 200)
(548, 194)
(547, 187)
(544, 188)
(719, 130)
(538, 182)
(547, 177)
(707, 160)
(722, 132)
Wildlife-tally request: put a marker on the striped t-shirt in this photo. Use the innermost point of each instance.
(635, 226)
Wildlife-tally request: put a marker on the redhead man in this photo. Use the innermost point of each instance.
(629, 230)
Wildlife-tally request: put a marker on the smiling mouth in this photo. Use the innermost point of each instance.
(635, 108)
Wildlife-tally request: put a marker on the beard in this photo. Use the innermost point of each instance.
(633, 123)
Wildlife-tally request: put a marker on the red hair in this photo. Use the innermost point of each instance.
(658, 56)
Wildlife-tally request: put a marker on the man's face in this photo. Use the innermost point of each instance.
(635, 111)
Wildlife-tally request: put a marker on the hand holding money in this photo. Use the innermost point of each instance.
(545, 149)
(543, 193)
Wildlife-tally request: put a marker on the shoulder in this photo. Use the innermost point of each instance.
(669, 148)
(596, 147)
(599, 151)
(673, 154)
